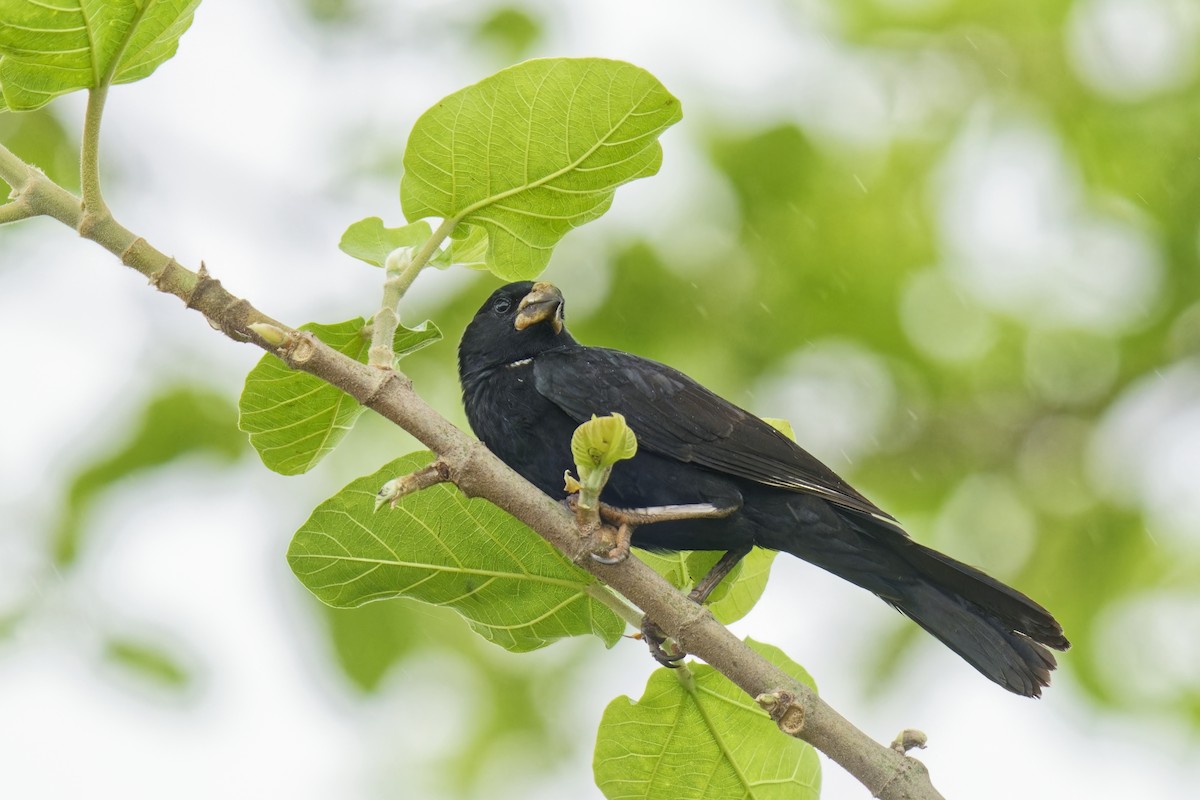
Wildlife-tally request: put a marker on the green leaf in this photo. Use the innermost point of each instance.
(467, 247)
(48, 49)
(702, 738)
(437, 546)
(534, 151)
(735, 596)
(368, 240)
(295, 419)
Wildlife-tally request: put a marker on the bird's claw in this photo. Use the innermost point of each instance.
(612, 557)
(663, 650)
(612, 547)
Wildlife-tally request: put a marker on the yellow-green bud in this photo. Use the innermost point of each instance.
(271, 334)
(602, 442)
(596, 445)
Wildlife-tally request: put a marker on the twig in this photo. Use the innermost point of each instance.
(400, 271)
(396, 488)
(15, 210)
(477, 472)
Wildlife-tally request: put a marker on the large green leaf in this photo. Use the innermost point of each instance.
(534, 151)
(437, 546)
(48, 49)
(697, 736)
(295, 419)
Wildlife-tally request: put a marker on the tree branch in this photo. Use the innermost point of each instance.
(884, 771)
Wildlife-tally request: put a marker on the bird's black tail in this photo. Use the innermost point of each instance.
(995, 628)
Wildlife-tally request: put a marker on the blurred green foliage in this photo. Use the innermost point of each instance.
(179, 421)
(509, 30)
(513, 702)
(149, 661)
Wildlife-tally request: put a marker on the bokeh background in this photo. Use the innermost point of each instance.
(956, 243)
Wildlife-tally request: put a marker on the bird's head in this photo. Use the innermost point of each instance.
(518, 321)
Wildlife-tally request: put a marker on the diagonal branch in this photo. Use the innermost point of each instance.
(884, 771)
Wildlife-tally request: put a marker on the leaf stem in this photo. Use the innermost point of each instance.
(422, 256)
(89, 158)
(602, 594)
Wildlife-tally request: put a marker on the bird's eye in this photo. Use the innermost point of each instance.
(502, 305)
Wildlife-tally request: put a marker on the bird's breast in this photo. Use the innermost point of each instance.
(523, 428)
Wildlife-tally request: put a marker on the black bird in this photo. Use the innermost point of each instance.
(527, 384)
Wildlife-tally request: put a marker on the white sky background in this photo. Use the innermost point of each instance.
(230, 154)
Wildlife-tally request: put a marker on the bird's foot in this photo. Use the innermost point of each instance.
(665, 651)
(614, 548)
(614, 544)
(610, 544)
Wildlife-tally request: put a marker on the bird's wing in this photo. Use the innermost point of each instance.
(675, 416)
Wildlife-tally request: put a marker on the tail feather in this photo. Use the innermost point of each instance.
(993, 627)
(1010, 658)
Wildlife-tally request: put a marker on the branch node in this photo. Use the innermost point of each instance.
(908, 739)
(906, 765)
(126, 257)
(386, 376)
(299, 348)
(204, 283)
(163, 279)
(91, 219)
(784, 708)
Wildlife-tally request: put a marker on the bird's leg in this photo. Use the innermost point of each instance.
(656, 640)
(626, 519)
(718, 573)
(672, 513)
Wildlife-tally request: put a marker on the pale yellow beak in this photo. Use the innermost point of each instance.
(544, 303)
